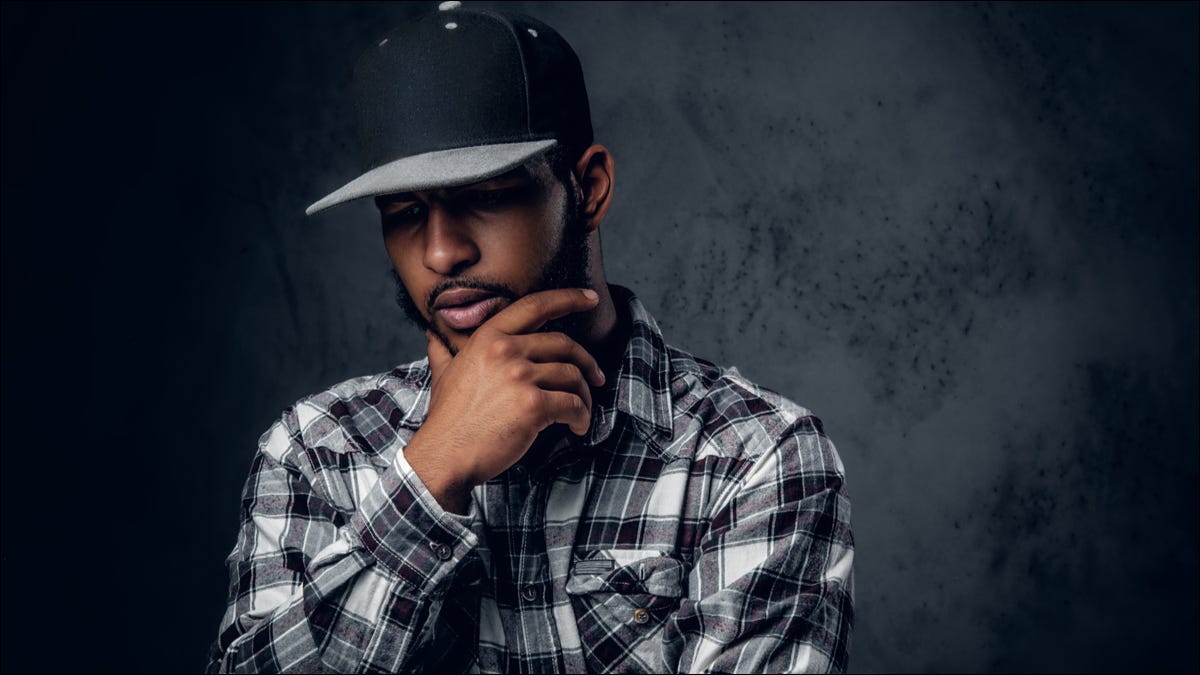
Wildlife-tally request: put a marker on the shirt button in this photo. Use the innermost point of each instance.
(640, 615)
(518, 472)
(530, 593)
(443, 551)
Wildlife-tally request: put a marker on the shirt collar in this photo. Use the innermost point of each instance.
(641, 390)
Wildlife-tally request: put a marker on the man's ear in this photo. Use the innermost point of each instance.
(594, 171)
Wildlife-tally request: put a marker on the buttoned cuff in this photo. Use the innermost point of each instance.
(401, 524)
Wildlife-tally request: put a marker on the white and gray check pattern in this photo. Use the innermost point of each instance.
(702, 525)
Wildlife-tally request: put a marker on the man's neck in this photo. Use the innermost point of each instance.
(608, 333)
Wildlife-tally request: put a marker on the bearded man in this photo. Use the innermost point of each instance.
(554, 488)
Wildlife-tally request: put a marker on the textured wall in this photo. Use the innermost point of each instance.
(964, 235)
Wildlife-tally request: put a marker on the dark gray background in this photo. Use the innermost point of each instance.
(964, 235)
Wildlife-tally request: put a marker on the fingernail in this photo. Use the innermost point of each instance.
(590, 294)
(600, 376)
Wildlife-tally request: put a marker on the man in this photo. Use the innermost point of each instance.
(553, 488)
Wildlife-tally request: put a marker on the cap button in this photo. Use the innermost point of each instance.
(449, 5)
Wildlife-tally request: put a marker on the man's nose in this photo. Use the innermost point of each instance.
(449, 247)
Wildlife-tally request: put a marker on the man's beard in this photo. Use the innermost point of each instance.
(567, 268)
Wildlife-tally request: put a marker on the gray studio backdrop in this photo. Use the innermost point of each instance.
(964, 235)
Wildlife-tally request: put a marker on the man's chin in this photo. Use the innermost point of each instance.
(451, 340)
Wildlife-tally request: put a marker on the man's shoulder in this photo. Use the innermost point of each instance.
(719, 411)
(699, 385)
(357, 414)
(408, 379)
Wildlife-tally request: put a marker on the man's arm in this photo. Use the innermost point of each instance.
(313, 590)
(771, 590)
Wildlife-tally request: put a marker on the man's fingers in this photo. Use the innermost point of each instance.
(439, 356)
(563, 377)
(532, 311)
(568, 409)
(552, 347)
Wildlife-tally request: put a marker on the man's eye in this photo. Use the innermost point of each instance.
(406, 216)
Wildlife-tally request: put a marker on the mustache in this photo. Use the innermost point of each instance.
(492, 287)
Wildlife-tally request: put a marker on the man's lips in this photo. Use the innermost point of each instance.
(463, 309)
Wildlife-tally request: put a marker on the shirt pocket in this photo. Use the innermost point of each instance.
(622, 599)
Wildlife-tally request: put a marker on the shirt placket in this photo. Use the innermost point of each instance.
(537, 638)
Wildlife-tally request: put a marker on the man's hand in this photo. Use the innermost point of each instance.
(490, 401)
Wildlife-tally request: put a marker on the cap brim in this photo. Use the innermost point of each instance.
(433, 170)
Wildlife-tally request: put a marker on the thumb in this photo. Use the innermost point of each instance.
(439, 356)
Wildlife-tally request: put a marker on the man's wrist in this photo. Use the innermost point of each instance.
(449, 487)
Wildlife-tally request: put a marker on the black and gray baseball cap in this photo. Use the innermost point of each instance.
(460, 96)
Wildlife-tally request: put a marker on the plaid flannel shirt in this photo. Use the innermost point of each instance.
(701, 525)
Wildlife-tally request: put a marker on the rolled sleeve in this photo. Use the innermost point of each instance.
(401, 525)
